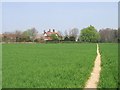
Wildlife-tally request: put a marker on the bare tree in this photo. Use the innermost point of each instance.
(9, 37)
(18, 35)
(119, 34)
(66, 33)
(60, 35)
(66, 36)
(0, 37)
(73, 33)
(108, 35)
(32, 33)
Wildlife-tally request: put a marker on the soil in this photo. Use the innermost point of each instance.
(95, 75)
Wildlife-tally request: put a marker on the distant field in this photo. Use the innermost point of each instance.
(109, 73)
(47, 65)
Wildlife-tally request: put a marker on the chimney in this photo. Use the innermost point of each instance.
(53, 30)
(44, 32)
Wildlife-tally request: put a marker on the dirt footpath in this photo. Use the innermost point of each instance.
(95, 75)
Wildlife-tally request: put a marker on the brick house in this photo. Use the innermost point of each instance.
(47, 35)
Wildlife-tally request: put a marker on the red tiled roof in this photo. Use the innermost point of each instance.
(49, 34)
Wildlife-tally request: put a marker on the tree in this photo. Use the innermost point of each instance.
(66, 37)
(108, 35)
(39, 38)
(73, 33)
(25, 37)
(54, 37)
(60, 35)
(66, 33)
(32, 33)
(0, 37)
(119, 34)
(72, 38)
(29, 35)
(18, 35)
(89, 34)
(9, 37)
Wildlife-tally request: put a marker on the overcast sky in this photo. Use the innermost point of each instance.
(60, 15)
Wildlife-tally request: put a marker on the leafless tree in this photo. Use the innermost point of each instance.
(32, 33)
(66, 33)
(108, 35)
(18, 35)
(60, 35)
(9, 37)
(0, 37)
(73, 33)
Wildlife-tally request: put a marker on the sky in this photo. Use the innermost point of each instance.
(59, 0)
(119, 14)
(58, 15)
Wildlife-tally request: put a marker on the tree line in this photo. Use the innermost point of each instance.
(88, 34)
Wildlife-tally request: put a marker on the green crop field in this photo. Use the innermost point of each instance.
(47, 65)
(57, 65)
(109, 72)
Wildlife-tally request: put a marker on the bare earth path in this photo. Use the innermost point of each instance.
(94, 78)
